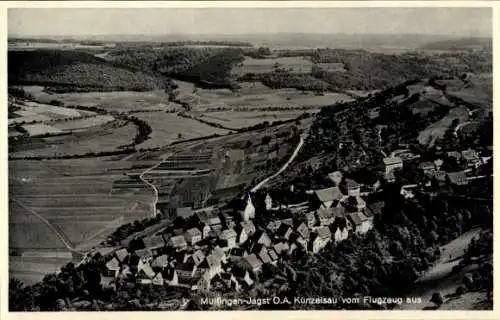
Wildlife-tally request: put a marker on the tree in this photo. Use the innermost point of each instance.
(437, 299)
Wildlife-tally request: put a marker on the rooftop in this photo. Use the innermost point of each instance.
(253, 261)
(328, 194)
(324, 232)
(392, 160)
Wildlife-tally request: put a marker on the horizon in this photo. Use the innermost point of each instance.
(189, 22)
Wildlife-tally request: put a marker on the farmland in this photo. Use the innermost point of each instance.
(168, 127)
(256, 66)
(255, 95)
(238, 120)
(109, 137)
(75, 198)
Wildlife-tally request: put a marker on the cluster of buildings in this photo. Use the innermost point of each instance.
(217, 250)
(226, 249)
(462, 167)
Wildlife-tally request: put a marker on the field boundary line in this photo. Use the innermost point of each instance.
(67, 243)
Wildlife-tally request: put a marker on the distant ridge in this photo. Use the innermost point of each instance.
(461, 44)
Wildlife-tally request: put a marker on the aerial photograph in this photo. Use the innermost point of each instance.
(222, 158)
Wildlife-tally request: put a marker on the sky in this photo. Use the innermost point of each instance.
(163, 21)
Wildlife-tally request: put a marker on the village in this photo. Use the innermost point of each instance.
(221, 249)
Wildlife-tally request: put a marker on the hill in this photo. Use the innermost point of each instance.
(75, 71)
(461, 44)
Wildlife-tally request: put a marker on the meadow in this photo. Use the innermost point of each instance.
(256, 66)
(437, 130)
(168, 127)
(238, 120)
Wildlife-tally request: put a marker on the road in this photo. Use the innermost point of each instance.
(283, 168)
(61, 236)
(459, 126)
(155, 190)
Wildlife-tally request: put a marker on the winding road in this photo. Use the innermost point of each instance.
(283, 168)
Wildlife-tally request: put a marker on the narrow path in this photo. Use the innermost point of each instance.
(283, 168)
(155, 190)
(67, 243)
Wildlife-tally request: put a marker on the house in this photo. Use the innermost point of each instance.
(228, 280)
(455, 155)
(143, 254)
(407, 193)
(209, 218)
(205, 233)
(335, 177)
(197, 257)
(253, 262)
(212, 264)
(160, 262)
(281, 247)
(228, 220)
(144, 269)
(320, 239)
(361, 223)
(325, 216)
(262, 238)
(154, 243)
(125, 272)
(298, 239)
(112, 268)
(247, 279)
(392, 163)
(204, 283)
(184, 212)
(376, 186)
(170, 277)
(390, 177)
(268, 201)
(457, 178)
(158, 279)
(326, 198)
(354, 204)
(273, 226)
(273, 255)
(352, 188)
(108, 283)
(471, 158)
(249, 211)
(264, 255)
(311, 218)
(178, 242)
(303, 231)
(230, 236)
(241, 235)
(185, 271)
(427, 167)
(284, 231)
(438, 163)
(219, 254)
(193, 236)
(238, 252)
(249, 227)
(121, 255)
(340, 230)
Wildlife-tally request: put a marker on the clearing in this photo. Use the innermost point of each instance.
(440, 278)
